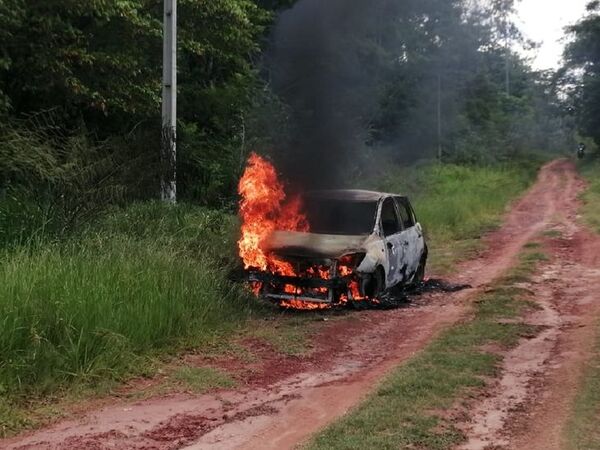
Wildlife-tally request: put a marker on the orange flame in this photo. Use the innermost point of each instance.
(265, 208)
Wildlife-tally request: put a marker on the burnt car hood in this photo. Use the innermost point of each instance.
(291, 243)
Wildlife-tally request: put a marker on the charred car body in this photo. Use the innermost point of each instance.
(360, 244)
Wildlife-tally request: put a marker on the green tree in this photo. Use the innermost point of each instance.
(583, 71)
(97, 66)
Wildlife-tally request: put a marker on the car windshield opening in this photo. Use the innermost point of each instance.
(334, 216)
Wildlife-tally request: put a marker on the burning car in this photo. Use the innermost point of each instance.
(327, 247)
(360, 243)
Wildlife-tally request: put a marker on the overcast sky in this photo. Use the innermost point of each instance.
(544, 22)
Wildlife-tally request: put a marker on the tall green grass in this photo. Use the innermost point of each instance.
(142, 279)
(590, 168)
(457, 204)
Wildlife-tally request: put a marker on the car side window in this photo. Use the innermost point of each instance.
(406, 215)
(389, 219)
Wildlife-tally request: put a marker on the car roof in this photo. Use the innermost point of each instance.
(358, 195)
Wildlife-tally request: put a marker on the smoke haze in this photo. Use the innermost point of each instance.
(368, 81)
(316, 67)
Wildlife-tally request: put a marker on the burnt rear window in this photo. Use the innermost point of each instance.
(332, 216)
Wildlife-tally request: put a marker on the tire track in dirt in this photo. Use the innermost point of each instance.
(284, 412)
(520, 365)
(529, 406)
(575, 294)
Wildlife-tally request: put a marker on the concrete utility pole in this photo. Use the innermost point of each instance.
(507, 55)
(439, 116)
(168, 182)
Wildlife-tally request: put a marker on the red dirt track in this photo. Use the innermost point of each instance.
(530, 406)
(290, 398)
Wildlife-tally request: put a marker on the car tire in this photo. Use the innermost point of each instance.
(420, 273)
(375, 284)
(378, 282)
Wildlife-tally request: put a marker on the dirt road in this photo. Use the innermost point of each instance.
(290, 398)
(529, 407)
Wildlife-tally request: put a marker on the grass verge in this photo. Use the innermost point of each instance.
(113, 302)
(582, 429)
(407, 410)
(591, 198)
(84, 308)
(202, 379)
(290, 335)
(458, 204)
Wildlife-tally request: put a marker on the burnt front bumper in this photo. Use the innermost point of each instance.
(307, 289)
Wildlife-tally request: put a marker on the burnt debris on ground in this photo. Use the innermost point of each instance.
(401, 297)
(396, 297)
(436, 285)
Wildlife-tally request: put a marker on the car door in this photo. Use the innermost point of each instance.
(411, 239)
(391, 230)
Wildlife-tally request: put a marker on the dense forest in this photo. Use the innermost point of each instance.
(80, 94)
(580, 77)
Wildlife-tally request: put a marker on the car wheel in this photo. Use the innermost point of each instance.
(378, 283)
(420, 273)
(374, 285)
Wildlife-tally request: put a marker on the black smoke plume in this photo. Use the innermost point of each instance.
(318, 67)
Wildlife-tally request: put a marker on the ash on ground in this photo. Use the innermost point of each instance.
(405, 297)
